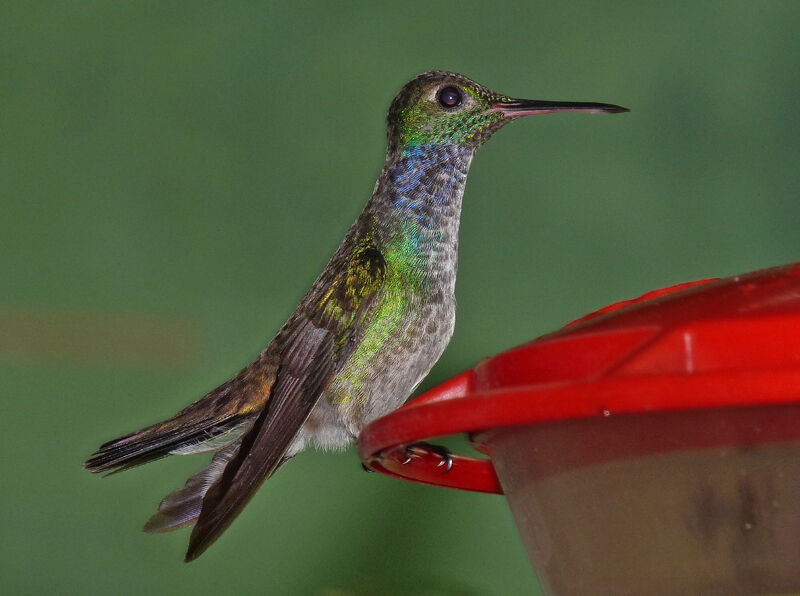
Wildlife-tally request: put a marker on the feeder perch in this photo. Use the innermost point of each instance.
(652, 447)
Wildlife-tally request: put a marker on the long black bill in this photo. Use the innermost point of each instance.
(529, 107)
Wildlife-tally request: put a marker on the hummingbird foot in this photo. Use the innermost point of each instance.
(366, 468)
(423, 449)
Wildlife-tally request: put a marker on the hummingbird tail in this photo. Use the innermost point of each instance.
(209, 424)
(165, 438)
(181, 507)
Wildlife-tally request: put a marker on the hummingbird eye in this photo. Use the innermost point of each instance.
(449, 97)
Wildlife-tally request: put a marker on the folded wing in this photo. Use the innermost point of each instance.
(313, 346)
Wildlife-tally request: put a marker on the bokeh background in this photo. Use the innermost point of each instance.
(173, 176)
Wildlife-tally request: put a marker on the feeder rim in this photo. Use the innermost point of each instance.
(466, 405)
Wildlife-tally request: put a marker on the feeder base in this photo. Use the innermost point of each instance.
(699, 502)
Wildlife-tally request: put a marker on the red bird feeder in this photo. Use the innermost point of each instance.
(652, 447)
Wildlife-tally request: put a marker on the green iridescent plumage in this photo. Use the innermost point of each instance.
(352, 289)
(366, 333)
(416, 118)
(401, 283)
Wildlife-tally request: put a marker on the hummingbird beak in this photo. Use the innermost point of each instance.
(529, 107)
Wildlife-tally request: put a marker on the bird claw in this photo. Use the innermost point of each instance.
(366, 468)
(420, 449)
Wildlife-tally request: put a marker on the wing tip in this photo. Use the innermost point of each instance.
(208, 527)
(196, 547)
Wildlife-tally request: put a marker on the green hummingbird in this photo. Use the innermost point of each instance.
(367, 332)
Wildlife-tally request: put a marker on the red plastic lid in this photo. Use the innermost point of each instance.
(708, 344)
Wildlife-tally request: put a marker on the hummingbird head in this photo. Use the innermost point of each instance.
(444, 108)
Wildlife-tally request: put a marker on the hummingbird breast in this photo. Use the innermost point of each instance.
(415, 211)
(405, 337)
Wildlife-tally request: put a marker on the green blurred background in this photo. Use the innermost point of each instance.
(175, 174)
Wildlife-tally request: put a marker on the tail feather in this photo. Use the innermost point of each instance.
(181, 507)
(160, 440)
(209, 424)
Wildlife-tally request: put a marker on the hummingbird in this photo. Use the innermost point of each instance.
(368, 331)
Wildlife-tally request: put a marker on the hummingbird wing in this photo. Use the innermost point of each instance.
(314, 344)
